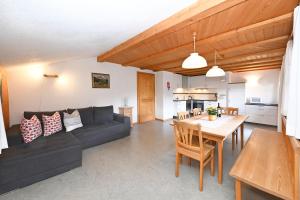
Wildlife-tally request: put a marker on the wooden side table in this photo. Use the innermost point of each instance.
(126, 111)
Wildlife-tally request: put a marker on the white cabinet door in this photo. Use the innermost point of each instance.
(236, 96)
(262, 114)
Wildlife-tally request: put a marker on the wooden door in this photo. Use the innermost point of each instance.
(146, 96)
(4, 97)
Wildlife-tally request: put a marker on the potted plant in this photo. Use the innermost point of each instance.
(212, 113)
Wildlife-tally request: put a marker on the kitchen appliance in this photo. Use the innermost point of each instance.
(255, 100)
(191, 104)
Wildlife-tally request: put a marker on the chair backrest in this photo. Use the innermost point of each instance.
(184, 133)
(231, 111)
(183, 115)
(197, 111)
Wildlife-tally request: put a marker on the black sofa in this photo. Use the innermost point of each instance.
(23, 164)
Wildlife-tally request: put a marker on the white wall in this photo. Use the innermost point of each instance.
(263, 83)
(30, 91)
(159, 94)
(165, 107)
(175, 82)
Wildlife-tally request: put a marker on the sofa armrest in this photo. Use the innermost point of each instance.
(121, 118)
(14, 136)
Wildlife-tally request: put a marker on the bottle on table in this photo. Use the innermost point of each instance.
(219, 110)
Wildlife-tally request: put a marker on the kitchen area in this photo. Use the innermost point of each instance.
(254, 93)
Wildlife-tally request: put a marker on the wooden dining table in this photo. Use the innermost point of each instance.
(219, 130)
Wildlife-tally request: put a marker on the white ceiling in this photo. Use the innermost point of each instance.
(59, 30)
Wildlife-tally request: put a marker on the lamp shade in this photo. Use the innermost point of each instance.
(215, 71)
(194, 61)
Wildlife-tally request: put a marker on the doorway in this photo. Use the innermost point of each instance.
(145, 97)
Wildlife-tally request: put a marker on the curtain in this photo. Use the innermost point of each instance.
(285, 77)
(293, 87)
(3, 139)
(279, 97)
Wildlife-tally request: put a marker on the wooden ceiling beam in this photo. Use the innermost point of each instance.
(233, 68)
(257, 61)
(196, 12)
(258, 69)
(241, 70)
(249, 57)
(254, 47)
(287, 18)
(244, 66)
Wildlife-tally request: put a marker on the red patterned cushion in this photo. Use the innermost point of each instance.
(52, 124)
(31, 129)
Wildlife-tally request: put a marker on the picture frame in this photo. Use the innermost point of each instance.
(100, 80)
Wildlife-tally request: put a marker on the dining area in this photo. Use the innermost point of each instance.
(195, 133)
(267, 160)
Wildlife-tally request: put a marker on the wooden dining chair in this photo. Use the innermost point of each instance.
(233, 111)
(189, 143)
(197, 111)
(183, 115)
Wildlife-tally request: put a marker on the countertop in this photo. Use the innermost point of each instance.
(262, 104)
(176, 100)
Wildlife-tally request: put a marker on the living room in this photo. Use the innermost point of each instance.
(95, 105)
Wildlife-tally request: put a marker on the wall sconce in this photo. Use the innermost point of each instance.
(51, 75)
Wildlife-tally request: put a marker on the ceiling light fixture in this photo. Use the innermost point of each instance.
(194, 61)
(215, 71)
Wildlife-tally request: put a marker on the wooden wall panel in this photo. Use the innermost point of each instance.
(4, 97)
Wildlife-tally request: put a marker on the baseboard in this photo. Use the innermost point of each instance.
(163, 120)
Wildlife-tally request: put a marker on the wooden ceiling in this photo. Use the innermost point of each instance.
(247, 34)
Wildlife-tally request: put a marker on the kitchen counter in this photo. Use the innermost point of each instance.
(262, 104)
(262, 113)
(177, 100)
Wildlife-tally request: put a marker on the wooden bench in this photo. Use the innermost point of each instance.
(269, 162)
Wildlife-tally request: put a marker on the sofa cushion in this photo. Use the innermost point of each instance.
(29, 114)
(31, 129)
(14, 136)
(52, 124)
(103, 115)
(21, 163)
(86, 115)
(98, 134)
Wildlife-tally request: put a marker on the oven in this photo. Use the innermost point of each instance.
(191, 104)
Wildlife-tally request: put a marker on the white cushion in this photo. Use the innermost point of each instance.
(72, 121)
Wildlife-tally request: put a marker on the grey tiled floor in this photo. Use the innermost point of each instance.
(138, 167)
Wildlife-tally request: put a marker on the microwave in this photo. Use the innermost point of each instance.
(255, 100)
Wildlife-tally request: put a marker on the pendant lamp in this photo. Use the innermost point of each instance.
(194, 61)
(215, 71)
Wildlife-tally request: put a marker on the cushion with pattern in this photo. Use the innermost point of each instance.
(31, 129)
(52, 124)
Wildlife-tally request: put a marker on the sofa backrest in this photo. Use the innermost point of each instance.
(29, 114)
(86, 115)
(89, 115)
(103, 115)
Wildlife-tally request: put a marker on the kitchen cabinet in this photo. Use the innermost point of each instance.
(262, 114)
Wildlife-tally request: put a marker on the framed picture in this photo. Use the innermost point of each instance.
(100, 80)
